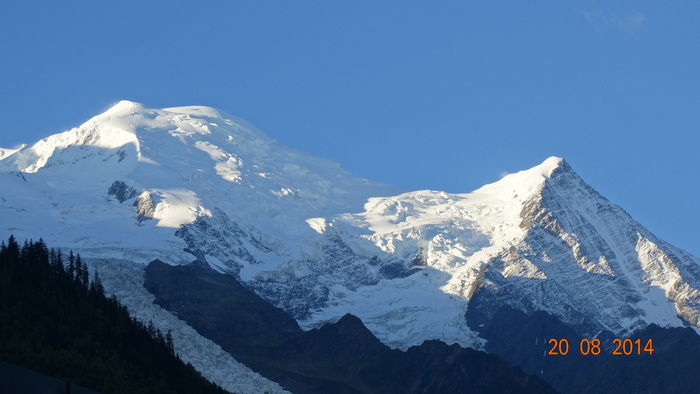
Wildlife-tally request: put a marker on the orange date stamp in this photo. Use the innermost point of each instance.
(586, 347)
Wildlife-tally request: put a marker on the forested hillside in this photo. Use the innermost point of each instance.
(56, 319)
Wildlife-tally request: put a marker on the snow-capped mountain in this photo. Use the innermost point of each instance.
(135, 184)
(537, 240)
(163, 169)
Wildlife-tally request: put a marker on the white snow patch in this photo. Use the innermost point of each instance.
(228, 165)
(284, 192)
(177, 207)
(318, 224)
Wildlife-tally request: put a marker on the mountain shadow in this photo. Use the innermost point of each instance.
(524, 340)
(344, 357)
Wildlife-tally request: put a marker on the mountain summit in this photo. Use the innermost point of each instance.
(185, 162)
(536, 240)
(187, 184)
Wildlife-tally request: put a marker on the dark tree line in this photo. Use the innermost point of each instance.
(56, 320)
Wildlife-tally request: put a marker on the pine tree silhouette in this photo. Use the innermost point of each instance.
(71, 269)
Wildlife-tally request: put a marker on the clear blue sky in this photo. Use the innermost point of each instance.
(422, 95)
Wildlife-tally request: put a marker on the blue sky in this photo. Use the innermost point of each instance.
(423, 95)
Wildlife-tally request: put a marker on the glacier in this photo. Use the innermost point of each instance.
(184, 184)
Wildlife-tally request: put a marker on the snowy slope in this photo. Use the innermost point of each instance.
(186, 162)
(540, 239)
(135, 184)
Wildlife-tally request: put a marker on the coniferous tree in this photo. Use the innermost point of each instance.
(42, 250)
(169, 342)
(96, 287)
(60, 268)
(71, 265)
(82, 274)
(52, 259)
(78, 270)
(24, 252)
(12, 248)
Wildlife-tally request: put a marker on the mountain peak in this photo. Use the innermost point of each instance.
(127, 107)
(526, 182)
(189, 158)
(124, 107)
(124, 123)
(549, 165)
(544, 170)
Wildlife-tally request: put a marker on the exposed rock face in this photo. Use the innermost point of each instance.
(224, 242)
(121, 191)
(145, 207)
